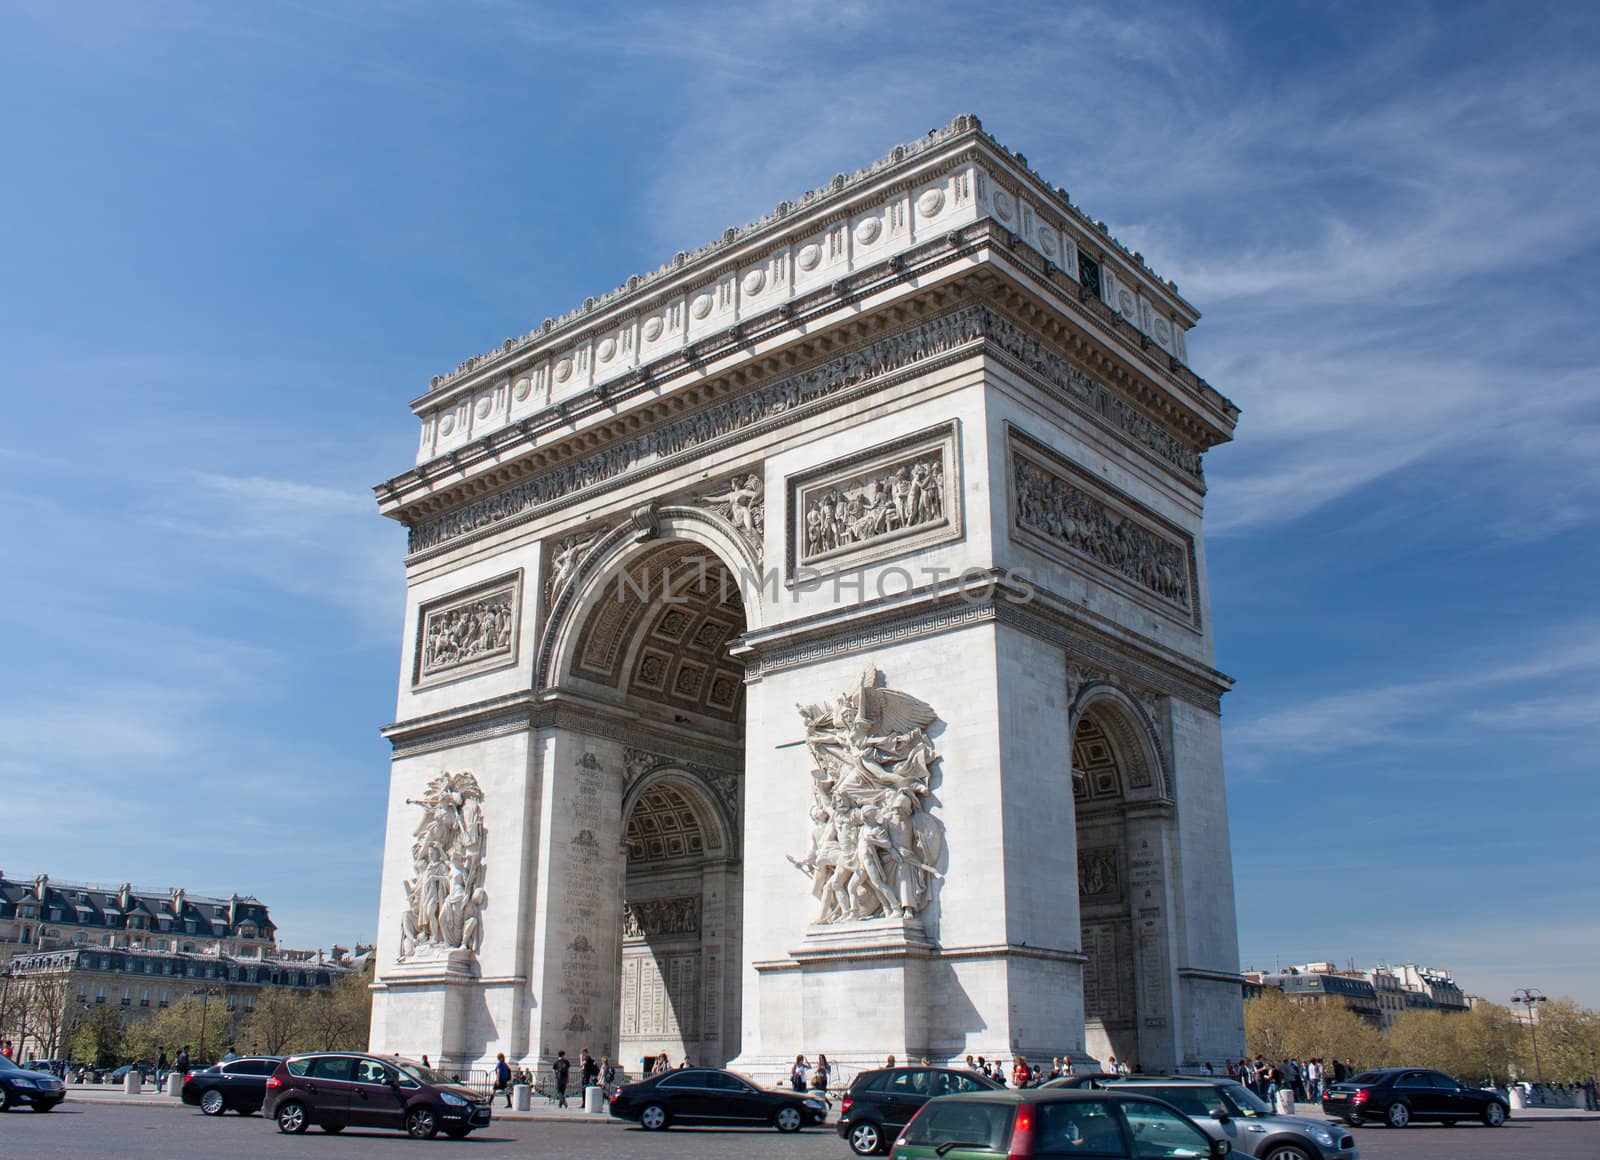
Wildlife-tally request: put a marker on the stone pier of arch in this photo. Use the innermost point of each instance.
(928, 423)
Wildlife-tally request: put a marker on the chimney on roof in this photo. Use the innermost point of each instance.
(125, 896)
(177, 902)
(233, 910)
(40, 885)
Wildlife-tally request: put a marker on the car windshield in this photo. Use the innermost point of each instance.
(1245, 1102)
(422, 1074)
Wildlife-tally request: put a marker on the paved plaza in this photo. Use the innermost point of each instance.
(136, 1129)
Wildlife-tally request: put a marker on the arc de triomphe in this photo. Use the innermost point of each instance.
(807, 649)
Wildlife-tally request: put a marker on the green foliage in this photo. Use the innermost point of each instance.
(336, 1019)
(100, 1039)
(200, 1026)
(1484, 1045)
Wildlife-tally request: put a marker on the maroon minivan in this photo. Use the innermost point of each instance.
(336, 1090)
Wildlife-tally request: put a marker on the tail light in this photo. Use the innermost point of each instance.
(274, 1082)
(187, 1076)
(845, 1105)
(1360, 1097)
(1022, 1134)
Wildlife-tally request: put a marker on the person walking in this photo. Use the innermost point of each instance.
(162, 1066)
(502, 1076)
(608, 1075)
(180, 1064)
(588, 1070)
(562, 1069)
(799, 1074)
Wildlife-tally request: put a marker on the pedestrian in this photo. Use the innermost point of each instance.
(799, 1074)
(685, 1062)
(162, 1066)
(662, 1065)
(562, 1068)
(588, 1069)
(971, 1064)
(5, 1048)
(1210, 1071)
(181, 1063)
(1020, 1073)
(889, 1062)
(608, 1075)
(425, 1062)
(1111, 1066)
(502, 1076)
(820, 1075)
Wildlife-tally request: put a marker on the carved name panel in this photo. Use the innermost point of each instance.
(894, 498)
(1058, 508)
(468, 632)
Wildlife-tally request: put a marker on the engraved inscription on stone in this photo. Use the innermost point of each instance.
(468, 631)
(585, 886)
(1056, 503)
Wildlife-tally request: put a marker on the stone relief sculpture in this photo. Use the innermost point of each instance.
(743, 504)
(1063, 513)
(445, 895)
(874, 845)
(564, 561)
(902, 496)
(647, 916)
(474, 630)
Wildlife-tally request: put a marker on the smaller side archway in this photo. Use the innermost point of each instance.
(680, 974)
(1124, 844)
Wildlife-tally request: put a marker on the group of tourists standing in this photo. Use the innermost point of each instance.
(591, 1072)
(1306, 1080)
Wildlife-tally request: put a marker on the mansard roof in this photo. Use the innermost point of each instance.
(100, 906)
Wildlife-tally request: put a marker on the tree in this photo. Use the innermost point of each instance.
(33, 1013)
(200, 1026)
(1270, 1021)
(338, 1018)
(1569, 1041)
(100, 1039)
(277, 1024)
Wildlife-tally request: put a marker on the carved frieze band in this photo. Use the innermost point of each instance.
(898, 497)
(468, 632)
(1058, 508)
(644, 917)
(785, 397)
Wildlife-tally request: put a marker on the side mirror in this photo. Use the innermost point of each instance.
(1219, 1150)
(1220, 1115)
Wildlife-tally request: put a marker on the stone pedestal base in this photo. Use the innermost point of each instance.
(421, 1008)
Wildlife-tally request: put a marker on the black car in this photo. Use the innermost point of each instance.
(336, 1090)
(1082, 1081)
(1398, 1095)
(20, 1087)
(239, 1085)
(703, 1095)
(881, 1102)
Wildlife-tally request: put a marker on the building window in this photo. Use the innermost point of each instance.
(144, 997)
(165, 997)
(1089, 274)
(100, 994)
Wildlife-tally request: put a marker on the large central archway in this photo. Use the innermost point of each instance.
(646, 641)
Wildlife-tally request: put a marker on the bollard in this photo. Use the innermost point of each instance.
(1285, 1102)
(174, 1083)
(131, 1083)
(521, 1097)
(594, 1098)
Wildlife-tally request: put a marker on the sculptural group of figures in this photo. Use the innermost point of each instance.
(902, 497)
(874, 846)
(1055, 508)
(445, 896)
(464, 633)
(660, 916)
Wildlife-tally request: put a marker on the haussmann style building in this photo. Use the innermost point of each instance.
(807, 647)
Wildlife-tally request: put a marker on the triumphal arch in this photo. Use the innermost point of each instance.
(807, 648)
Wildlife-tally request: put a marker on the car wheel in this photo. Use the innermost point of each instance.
(1494, 1115)
(458, 1131)
(1398, 1115)
(866, 1139)
(421, 1125)
(1286, 1152)
(654, 1118)
(212, 1103)
(1355, 1119)
(788, 1119)
(333, 1129)
(292, 1118)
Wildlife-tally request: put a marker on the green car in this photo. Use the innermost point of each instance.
(1055, 1123)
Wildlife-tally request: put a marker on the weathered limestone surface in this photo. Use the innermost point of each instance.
(928, 423)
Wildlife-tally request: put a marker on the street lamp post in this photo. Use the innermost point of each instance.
(205, 994)
(1527, 996)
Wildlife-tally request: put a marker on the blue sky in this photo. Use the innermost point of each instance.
(237, 239)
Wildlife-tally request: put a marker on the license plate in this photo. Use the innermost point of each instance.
(1336, 1097)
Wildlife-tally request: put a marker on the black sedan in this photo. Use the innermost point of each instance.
(883, 1101)
(22, 1088)
(703, 1095)
(239, 1085)
(1399, 1095)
